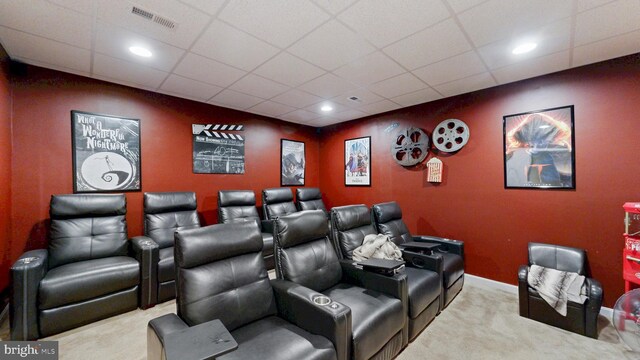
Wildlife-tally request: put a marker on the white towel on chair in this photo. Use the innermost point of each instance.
(377, 247)
(557, 287)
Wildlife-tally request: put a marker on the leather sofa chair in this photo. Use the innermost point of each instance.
(221, 275)
(310, 199)
(581, 318)
(164, 214)
(388, 219)
(350, 225)
(240, 205)
(83, 276)
(277, 202)
(305, 255)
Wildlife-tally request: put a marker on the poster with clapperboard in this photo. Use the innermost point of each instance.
(218, 149)
(106, 153)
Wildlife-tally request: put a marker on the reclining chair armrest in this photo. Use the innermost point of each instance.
(423, 261)
(594, 303)
(523, 290)
(333, 321)
(158, 330)
(26, 274)
(446, 245)
(267, 226)
(146, 251)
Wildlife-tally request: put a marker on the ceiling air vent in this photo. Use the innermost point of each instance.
(160, 20)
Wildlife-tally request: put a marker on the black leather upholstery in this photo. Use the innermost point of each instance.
(388, 219)
(239, 206)
(305, 256)
(350, 224)
(277, 202)
(83, 276)
(309, 199)
(581, 318)
(221, 275)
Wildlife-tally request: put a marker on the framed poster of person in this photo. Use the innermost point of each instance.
(292, 163)
(539, 151)
(105, 153)
(357, 160)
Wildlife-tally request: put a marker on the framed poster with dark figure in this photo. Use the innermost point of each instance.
(292, 163)
(357, 161)
(106, 153)
(539, 150)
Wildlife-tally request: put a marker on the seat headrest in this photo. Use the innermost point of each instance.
(557, 257)
(350, 216)
(305, 194)
(301, 227)
(80, 205)
(162, 202)
(236, 198)
(385, 212)
(277, 195)
(199, 246)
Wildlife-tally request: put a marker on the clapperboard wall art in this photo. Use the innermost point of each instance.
(216, 150)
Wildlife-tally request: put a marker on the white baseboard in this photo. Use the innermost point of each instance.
(513, 289)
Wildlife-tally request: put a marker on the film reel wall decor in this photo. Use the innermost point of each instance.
(410, 147)
(451, 135)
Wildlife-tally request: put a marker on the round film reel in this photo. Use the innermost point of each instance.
(451, 135)
(410, 147)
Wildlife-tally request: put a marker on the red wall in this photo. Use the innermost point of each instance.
(472, 204)
(43, 100)
(5, 168)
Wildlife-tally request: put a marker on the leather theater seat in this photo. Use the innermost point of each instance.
(310, 199)
(277, 202)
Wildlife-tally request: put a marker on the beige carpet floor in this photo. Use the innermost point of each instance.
(481, 323)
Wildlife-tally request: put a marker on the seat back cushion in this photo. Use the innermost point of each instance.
(87, 227)
(277, 202)
(388, 219)
(557, 257)
(221, 275)
(309, 199)
(167, 212)
(351, 224)
(237, 206)
(304, 253)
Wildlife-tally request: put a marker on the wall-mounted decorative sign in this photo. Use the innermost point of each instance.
(292, 163)
(434, 169)
(410, 147)
(216, 151)
(539, 150)
(357, 159)
(106, 153)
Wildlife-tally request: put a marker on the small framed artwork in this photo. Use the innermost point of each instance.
(292, 163)
(357, 160)
(539, 150)
(105, 153)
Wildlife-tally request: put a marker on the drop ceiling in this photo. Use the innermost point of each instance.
(286, 59)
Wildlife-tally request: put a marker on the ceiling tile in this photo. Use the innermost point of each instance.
(505, 19)
(430, 45)
(300, 116)
(364, 97)
(606, 21)
(316, 108)
(234, 99)
(45, 19)
(231, 46)
(297, 98)
(212, 72)
(384, 22)
(331, 45)
(531, 68)
(379, 107)
(584, 5)
(25, 46)
(369, 69)
(279, 23)
(270, 108)
(461, 5)
(606, 49)
(454, 68)
(417, 97)
(81, 6)
(289, 70)
(334, 6)
(211, 7)
(328, 86)
(398, 85)
(115, 42)
(124, 72)
(324, 121)
(193, 89)
(190, 22)
(259, 86)
(350, 114)
(551, 39)
(469, 84)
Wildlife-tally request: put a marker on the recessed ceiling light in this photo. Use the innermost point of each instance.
(140, 51)
(326, 108)
(524, 48)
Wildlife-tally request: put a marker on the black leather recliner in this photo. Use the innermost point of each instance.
(388, 219)
(304, 255)
(581, 318)
(85, 274)
(240, 205)
(164, 214)
(277, 202)
(221, 275)
(310, 199)
(350, 225)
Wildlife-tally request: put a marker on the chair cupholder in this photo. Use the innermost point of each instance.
(29, 259)
(321, 300)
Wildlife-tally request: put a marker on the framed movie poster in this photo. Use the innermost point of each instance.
(357, 160)
(106, 153)
(292, 163)
(539, 149)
